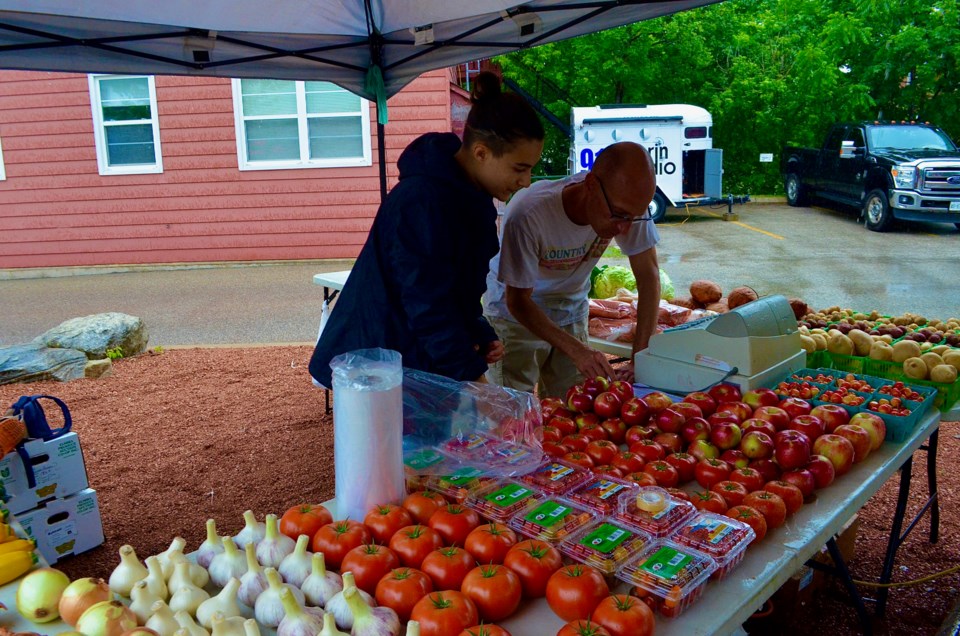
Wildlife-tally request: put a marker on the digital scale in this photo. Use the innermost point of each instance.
(751, 346)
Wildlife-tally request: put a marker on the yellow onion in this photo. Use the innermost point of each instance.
(81, 595)
(107, 618)
(38, 595)
(140, 631)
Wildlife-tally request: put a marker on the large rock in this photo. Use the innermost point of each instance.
(96, 334)
(35, 363)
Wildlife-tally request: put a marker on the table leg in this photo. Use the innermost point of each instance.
(328, 296)
(844, 573)
(893, 543)
(932, 486)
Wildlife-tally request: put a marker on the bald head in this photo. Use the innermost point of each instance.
(626, 170)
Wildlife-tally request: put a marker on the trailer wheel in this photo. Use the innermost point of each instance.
(796, 197)
(876, 209)
(658, 207)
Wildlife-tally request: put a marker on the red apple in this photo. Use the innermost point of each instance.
(717, 417)
(790, 434)
(593, 431)
(761, 396)
(702, 399)
(636, 433)
(578, 400)
(874, 425)
(671, 442)
(596, 386)
(735, 457)
(615, 428)
(695, 428)
(773, 414)
(809, 425)
(839, 450)
(756, 424)
(634, 412)
(802, 479)
(607, 404)
(624, 390)
(687, 409)
(586, 419)
(860, 439)
(756, 444)
(725, 393)
(549, 406)
(766, 467)
(795, 406)
(740, 409)
(656, 401)
(791, 453)
(702, 449)
(669, 420)
(563, 424)
(832, 416)
(725, 435)
(822, 470)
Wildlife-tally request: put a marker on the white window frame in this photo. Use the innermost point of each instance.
(99, 127)
(304, 161)
(3, 169)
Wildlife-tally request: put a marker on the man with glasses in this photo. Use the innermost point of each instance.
(553, 234)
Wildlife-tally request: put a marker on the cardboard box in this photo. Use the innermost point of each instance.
(57, 467)
(65, 526)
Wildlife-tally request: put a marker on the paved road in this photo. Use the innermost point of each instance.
(819, 254)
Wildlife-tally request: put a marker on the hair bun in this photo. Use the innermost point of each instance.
(485, 86)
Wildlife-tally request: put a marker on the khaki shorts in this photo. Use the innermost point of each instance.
(529, 361)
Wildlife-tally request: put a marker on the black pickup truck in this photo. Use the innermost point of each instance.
(906, 170)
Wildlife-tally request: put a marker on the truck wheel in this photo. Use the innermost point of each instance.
(876, 209)
(796, 197)
(658, 207)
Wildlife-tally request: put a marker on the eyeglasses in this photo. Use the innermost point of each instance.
(621, 217)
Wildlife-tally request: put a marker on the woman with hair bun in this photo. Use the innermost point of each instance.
(417, 284)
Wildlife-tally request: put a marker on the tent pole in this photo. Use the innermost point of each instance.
(382, 157)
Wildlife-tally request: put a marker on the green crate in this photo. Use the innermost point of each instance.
(817, 359)
(849, 408)
(839, 362)
(899, 428)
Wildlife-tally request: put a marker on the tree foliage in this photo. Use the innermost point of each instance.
(771, 72)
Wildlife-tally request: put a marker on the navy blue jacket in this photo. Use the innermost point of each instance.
(417, 283)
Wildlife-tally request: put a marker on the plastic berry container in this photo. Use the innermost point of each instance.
(512, 459)
(551, 519)
(458, 484)
(420, 464)
(472, 447)
(557, 477)
(722, 538)
(601, 493)
(605, 544)
(654, 511)
(672, 575)
(502, 500)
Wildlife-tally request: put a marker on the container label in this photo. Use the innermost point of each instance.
(715, 530)
(513, 454)
(548, 514)
(666, 563)
(465, 476)
(555, 472)
(605, 489)
(606, 538)
(508, 495)
(424, 459)
(663, 513)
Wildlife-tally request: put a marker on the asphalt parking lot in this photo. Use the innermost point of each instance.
(819, 254)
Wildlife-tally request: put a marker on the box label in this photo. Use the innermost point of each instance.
(424, 459)
(666, 563)
(604, 489)
(713, 530)
(554, 472)
(548, 514)
(464, 477)
(508, 495)
(606, 538)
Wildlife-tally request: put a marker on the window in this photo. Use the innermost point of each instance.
(695, 132)
(290, 124)
(126, 126)
(3, 170)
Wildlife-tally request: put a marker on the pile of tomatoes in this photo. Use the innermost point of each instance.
(437, 563)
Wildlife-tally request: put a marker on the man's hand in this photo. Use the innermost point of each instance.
(625, 372)
(591, 363)
(494, 352)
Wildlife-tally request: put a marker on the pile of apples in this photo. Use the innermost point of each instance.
(710, 436)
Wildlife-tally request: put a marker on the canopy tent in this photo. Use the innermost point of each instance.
(370, 47)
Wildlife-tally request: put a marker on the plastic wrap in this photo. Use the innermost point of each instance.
(470, 425)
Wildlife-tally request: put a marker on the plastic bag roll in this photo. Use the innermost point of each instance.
(367, 430)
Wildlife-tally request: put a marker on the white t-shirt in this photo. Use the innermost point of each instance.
(542, 249)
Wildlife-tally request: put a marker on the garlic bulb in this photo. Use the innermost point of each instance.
(162, 621)
(250, 627)
(231, 563)
(268, 610)
(127, 573)
(155, 579)
(176, 547)
(253, 531)
(296, 566)
(330, 627)
(227, 625)
(142, 600)
(254, 581)
(188, 598)
(274, 546)
(224, 602)
(370, 621)
(338, 606)
(296, 622)
(211, 546)
(188, 625)
(196, 574)
(320, 586)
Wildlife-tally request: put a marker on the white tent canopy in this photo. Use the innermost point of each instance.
(333, 40)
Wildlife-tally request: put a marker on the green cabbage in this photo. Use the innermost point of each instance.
(666, 287)
(607, 279)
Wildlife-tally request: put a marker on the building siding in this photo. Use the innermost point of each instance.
(56, 210)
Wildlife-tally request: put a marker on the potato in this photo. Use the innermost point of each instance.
(952, 358)
(915, 368)
(741, 296)
(861, 341)
(808, 344)
(905, 349)
(840, 343)
(821, 341)
(940, 349)
(880, 351)
(686, 301)
(944, 373)
(705, 291)
(931, 360)
(720, 306)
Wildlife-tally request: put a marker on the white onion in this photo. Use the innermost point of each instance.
(38, 596)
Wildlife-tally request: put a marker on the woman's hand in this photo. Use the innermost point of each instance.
(494, 352)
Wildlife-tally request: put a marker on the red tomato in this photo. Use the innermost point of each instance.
(533, 561)
(624, 615)
(751, 517)
(369, 563)
(304, 519)
(489, 543)
(413, 543)
(648, 450)
(581, 459)
(709, 501)
(454, 523)
(684, 463)
(593, 431)
(749, 477)
(574, 591)
(710, 471)
(576, 441)
(550, 434)
(678, 493)
(555, 449)
(770, 505)
(664, 474)
(423, 504)
(444, 613)
(628, 462)
(384, 520)
(608, 470)
(484, 630)
(447, 567)
(401, 589)
(602, 451)
(583, 628)
(731, 491)
(337, 538)
(641, 478)
(792, 495)
(494, 589)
